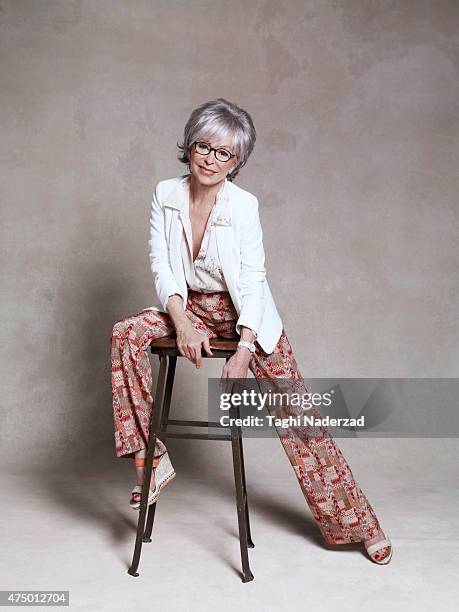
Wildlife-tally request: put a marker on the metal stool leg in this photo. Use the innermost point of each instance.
(250, 543)
(168, 393)
(172, 361)
(240, 500)
(155, 419)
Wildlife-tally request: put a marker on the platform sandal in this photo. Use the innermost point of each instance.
(164, 474)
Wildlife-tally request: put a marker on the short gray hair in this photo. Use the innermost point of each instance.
(215, 119)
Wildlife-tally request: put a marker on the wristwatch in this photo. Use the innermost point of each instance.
(249, 345)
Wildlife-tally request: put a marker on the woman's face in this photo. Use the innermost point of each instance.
(207, 169)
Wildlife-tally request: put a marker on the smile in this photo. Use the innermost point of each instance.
(206, 171)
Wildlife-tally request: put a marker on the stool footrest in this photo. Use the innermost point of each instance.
(194, 436)
(194, 423)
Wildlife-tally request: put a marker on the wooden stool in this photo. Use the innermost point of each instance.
(167, 351)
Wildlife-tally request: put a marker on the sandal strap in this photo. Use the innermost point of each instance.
(378, 546)
(138, 490)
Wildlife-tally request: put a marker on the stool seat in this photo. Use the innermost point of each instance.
(168, 346)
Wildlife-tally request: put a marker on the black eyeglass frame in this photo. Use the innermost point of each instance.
(223, 161)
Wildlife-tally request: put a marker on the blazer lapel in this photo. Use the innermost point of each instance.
(177, 200)
(223, 220)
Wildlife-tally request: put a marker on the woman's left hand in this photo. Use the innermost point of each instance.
(237, 366)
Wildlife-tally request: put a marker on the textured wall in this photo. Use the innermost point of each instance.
(356, 106)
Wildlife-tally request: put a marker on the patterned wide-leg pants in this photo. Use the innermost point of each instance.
(337, 503)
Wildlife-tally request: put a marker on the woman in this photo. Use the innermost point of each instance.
(207, 260)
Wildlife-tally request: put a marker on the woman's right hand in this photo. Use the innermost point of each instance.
(190, 343)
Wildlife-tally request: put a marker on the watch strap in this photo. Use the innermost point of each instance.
(249, 345)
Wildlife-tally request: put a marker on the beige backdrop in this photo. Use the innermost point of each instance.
(355, 167)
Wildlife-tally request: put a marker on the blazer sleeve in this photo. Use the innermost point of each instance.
(164, 279)
(252, 274)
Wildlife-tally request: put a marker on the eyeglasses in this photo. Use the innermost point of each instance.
(223, 155)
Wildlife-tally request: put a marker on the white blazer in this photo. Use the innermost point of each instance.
(240, 249)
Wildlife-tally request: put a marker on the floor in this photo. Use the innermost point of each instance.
(76, 532)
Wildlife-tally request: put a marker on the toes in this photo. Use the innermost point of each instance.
(381, 554)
